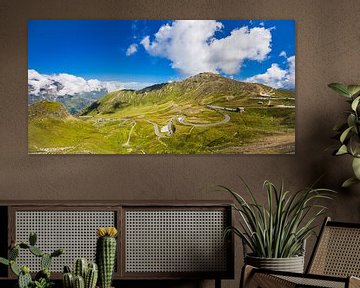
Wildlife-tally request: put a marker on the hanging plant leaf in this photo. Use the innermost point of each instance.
(351, 120)
(342, 150)
(349, 182)
(340, 88)
(354, 145)
(353, 89)
(356, 167)
(345, 134)
(355, 103)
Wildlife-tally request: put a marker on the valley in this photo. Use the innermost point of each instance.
(203, 114)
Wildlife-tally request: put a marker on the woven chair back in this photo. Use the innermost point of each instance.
(337, 252)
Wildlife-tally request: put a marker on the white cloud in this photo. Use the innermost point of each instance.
(283, 54)
(277, 77)
(132, 49)
(192, 48)
(67, 84)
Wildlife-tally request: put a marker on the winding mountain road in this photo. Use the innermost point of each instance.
(226, 120)
(127, 143)
(156, 129)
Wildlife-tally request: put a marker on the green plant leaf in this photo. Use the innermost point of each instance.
(355, 103)
(356, 167)
(14, 268)
(4, 261)
(345, 134)
(353, 89)
(351, 120)
(340, 88)
(349, 182)
(342, 150)
(279, 228)
(354, 145)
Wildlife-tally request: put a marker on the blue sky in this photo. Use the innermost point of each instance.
(131, 51)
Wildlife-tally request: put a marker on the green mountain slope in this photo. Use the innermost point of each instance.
(199, 90)
(206, 113)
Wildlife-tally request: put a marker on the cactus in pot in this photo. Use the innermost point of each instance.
(42, 278)
(85, 275)
(81, 266)
(106, 254)
(91, 276)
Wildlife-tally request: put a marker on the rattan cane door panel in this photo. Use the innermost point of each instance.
(74, 230)
(175, 241)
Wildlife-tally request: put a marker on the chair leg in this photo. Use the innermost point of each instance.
(354, 282)
(217, 283)
(246, 274)
(251, 279)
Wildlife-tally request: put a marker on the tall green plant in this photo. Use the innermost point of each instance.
(349, 131)
(279, 229)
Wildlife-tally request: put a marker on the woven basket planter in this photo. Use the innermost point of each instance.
(291, 264)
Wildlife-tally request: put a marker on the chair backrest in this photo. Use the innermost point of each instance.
(337, 251)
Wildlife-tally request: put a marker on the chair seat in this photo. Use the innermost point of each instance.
(255, 278)
(314, 282)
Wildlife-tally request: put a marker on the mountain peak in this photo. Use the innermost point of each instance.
(206, 75)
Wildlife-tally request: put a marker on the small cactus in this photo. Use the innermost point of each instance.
(57, 252)
(80, 268)
(14, 268)
(13, 253)
(32, 239)
(43, 274)
(79, 282)
(24, 246)
(36, 251)
(45, 261)
(67, 269)
(68, 280)
(106, 254)
(91, 276)
(24, 280)
(89, 272)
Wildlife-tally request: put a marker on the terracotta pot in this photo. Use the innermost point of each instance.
(291, 264)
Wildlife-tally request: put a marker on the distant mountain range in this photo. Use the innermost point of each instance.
(75, 93)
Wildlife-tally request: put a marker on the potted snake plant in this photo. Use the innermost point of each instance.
(274, 234)
(348, 132)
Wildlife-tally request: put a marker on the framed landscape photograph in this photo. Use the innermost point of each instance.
(161, 87)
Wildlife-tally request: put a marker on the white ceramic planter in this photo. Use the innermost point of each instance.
(291, 264)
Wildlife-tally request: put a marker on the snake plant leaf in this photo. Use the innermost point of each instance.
(342, 150)
(345, 134)
(353, 89)
(356, 167)
(279, 228)
(355, 103)
(349, 182)
(340, 88)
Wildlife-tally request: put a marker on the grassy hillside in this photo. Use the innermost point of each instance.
(191, 114)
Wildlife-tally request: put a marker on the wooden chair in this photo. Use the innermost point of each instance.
(335, 262)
